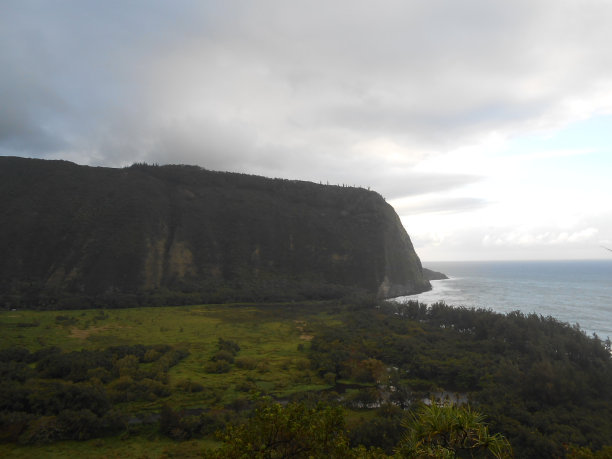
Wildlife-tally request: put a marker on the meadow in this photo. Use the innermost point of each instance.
(272, 359)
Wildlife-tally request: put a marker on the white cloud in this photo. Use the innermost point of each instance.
(438, 205)
(550, 237)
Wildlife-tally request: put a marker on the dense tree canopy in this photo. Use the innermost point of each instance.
(542, 383)
(297, 431)
(50, 395)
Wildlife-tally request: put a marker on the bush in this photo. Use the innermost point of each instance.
(220, 366)
(45, 429)
(223, 355)
(179, 425)
(13, 423)
(79, 425)
(190, 386)
(229, 346)
(246, 363)
(287, 431)
(330, 378)
(125, 389)
(246, 386)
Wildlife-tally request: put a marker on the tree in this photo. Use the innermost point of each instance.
(294, 430)
(450, 431)
(577, 452)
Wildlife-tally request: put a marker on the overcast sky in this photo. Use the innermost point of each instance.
(486, 124)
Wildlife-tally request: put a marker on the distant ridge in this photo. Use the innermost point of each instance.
(78, 236)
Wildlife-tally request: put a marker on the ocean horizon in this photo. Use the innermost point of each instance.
(573, 291)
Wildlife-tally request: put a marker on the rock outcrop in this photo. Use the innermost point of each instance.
(433, 275)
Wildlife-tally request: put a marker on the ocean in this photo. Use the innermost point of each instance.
(577, 292)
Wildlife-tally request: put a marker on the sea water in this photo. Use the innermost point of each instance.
(577, 292)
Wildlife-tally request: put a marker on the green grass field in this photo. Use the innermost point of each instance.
(141, 447)
(268, 335)
(272, 359)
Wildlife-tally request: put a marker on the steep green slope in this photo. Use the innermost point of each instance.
(82, 236)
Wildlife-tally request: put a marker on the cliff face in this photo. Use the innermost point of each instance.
(76, 236)
(433, 275)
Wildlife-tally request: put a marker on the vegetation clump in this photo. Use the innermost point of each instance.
(294, 430)
(299, 431)
(367, 367)
(542, 383)
(449, 430)
(50, 395)
(222, 360)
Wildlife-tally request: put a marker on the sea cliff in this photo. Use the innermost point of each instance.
(78, 236)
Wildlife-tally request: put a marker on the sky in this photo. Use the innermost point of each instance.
(486, 124)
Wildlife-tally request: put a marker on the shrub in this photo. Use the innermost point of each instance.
(246, 363)
(246, 386)
(229, 346)
(330, 378)
(223, 355)
(45, 429)
(190, 386)
(287, 431)
(220, 366)
(79, 425)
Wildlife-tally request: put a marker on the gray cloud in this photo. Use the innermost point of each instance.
(412, 183)
(508, 244)
(442, 205)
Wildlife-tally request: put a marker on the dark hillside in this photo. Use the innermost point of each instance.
(76, 236)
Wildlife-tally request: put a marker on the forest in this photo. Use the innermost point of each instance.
(209, 379)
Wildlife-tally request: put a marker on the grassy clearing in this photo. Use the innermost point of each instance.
(254, 325)
(268, 335)
(273, 341)
(153, 447)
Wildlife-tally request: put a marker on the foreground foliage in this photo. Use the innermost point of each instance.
(293, 430)
(542, 384)
(296, 431)
(451, 431)
(50, 395)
